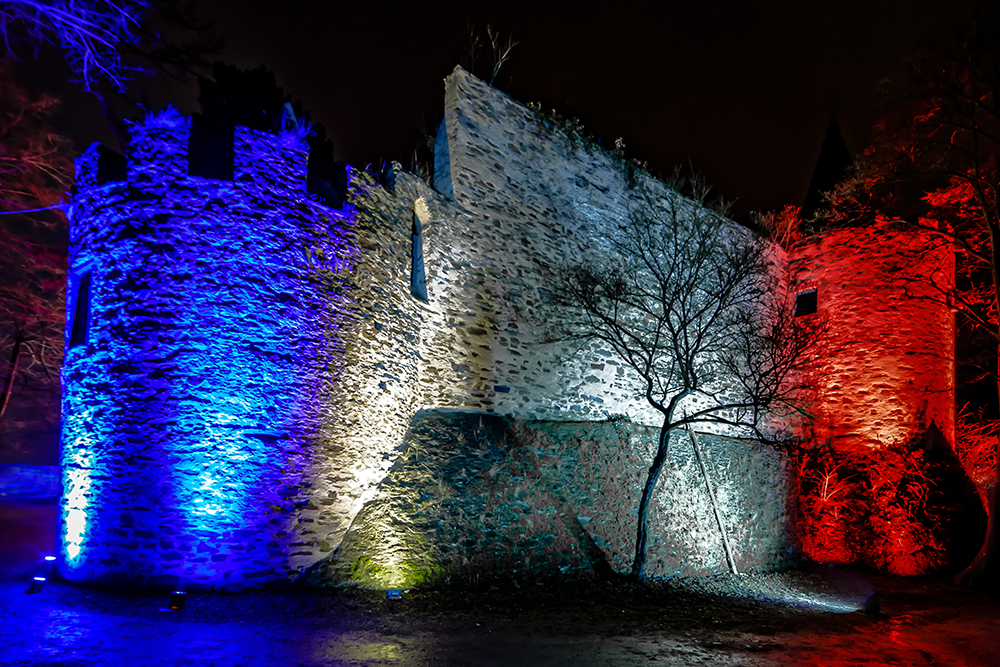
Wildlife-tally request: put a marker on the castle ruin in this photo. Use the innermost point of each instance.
(248, 369)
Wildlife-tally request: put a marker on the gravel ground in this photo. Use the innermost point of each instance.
(804, 617)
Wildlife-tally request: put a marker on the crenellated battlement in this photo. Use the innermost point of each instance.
(157, 153)
(246, 362)
(168, 149)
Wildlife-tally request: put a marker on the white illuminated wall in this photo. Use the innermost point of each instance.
(254, 358)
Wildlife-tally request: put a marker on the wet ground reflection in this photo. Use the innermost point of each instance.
(920, 625)
(68, 626)
(761, 621)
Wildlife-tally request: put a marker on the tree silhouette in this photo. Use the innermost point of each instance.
(90, 33)
(688, 300)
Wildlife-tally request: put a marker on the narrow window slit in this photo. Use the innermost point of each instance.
(418, 280)
(80, 324)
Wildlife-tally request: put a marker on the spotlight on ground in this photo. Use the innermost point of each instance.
(394, 594)
(176, 601)
(36, 585)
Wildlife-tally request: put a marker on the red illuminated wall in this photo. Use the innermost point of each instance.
(871, 488)
(885, 369)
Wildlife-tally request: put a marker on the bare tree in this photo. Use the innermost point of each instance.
(689, 301)
(108, 42)
(90, 33)
(498, 52)
(34, 173)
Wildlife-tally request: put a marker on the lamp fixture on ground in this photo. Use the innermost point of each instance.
(36, 585)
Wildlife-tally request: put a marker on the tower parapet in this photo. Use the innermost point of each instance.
(244, 363)
(158, 150)
(197, 360)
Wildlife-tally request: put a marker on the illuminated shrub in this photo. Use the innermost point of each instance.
(904, 510)
(829, 505)
(976, 447)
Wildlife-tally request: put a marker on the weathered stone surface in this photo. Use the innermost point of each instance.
(254, 361)
(475, 496)
(885, 369)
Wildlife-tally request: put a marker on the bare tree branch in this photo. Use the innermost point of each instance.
(686, 298)
(91, 33)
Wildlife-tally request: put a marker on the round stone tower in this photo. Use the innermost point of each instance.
(204, 302)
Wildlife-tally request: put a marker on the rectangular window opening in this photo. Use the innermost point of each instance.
(806, 303)
(211, 149)
(111, 165)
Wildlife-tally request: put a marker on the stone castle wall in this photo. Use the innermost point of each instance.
(254, 359)
(225, 418)
(886, 365)
(475, 497)
(186, 411)
(528, 199)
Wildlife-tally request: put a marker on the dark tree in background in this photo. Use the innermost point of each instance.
(92, 34)
(107, 44)
(687, 299)
(35, 173)
(933, 166)
(486, 53)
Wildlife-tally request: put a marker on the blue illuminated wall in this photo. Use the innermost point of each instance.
(195, 408)
(251, 360)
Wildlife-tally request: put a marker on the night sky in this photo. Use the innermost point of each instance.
(742, 91)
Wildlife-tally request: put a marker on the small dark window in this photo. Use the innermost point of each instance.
(442, 163)
(111, 165)
(418, 280)
(211, 150)
(79, 326)
(805, 303)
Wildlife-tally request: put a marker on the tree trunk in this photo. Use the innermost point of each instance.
(638, 573)
(984, 571)
(15, 356)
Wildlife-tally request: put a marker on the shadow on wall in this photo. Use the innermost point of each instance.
(476, 497)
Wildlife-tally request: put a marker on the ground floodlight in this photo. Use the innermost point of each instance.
(177, 600)
(36, 585)
(394, 594)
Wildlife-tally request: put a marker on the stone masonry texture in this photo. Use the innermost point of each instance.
(260, 396)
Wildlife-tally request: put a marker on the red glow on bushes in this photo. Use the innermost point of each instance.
(976, 447)
(826, 499)
(903, 523)
(882, 508)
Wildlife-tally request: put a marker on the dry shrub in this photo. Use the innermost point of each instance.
(886, 508)
(976, 447)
